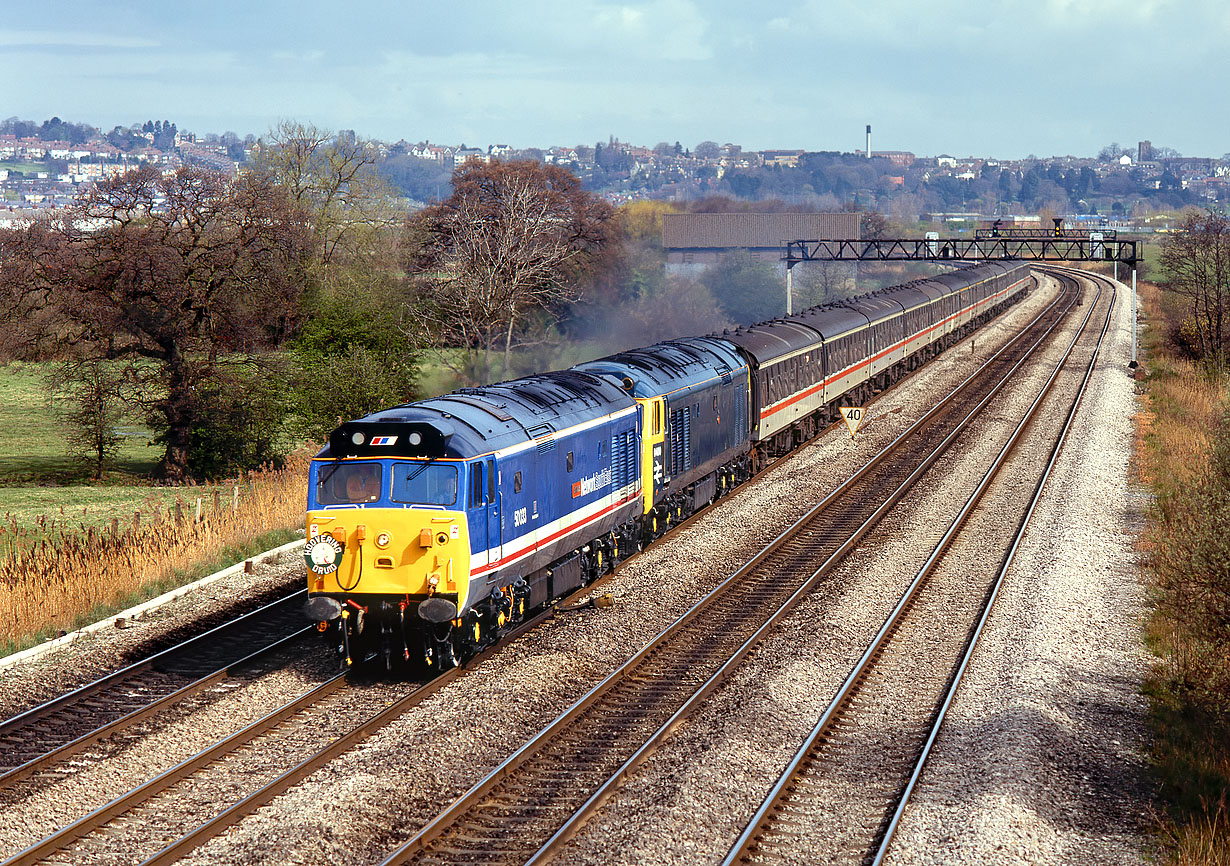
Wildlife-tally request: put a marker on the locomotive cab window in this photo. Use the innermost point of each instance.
(568, 461)
(348, 484)
(476, 485)
(517, 482)
(425, 483)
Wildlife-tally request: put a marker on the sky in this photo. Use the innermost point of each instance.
(995, 78)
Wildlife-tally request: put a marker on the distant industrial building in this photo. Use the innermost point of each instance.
(697, 240)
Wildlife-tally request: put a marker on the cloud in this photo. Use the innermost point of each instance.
(69, 39)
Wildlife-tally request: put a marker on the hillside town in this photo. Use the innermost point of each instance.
(1138, 188)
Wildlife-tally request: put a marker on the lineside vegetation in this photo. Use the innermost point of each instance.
(76, 574)
(1184, 457)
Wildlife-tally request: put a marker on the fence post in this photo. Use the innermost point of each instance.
(235, 500)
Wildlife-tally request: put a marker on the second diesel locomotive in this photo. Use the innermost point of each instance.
(433, 525)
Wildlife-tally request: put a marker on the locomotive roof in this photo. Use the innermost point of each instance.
(472, 421)
(665, 367)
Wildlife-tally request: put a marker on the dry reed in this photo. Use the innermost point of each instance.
(1182, 454)
(49, 586)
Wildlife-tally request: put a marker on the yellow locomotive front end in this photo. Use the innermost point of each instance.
(387, 553)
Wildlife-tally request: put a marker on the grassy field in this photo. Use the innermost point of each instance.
(44, 490)
(33, 444)
(74, 549)
(27, 168)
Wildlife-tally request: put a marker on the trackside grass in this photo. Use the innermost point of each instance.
(69, 579)
(1183, 453)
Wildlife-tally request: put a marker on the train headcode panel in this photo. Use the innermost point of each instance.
(854, 416)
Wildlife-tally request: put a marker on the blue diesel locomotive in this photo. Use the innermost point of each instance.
(433, 525)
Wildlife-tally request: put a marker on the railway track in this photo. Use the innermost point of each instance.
(531, 804)
(933, 425)
(42, 739)
(868, 733)
(146, 825)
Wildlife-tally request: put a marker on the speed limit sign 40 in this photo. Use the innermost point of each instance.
(854, 416)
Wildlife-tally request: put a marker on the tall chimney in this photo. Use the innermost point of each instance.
(869, 141)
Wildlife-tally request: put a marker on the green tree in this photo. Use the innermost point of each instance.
(238, 422)
(352, 357)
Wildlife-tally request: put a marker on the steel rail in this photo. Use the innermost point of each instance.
(18, 726)
(90, 689)
(1039, 489)
(291, 777)
(745, 844)
(573, 825)
(446, 819)
(64, 837)
(266, 793)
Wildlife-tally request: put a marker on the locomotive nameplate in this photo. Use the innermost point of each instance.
(323, 554)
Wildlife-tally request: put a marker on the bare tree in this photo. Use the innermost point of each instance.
(333, 179)
(1196, 260)
(92, 390)
(821, 282)
(514, 238)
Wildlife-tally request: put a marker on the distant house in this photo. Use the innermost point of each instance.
(785, 158)
(697, 240)
(902, 158)
(465, 154)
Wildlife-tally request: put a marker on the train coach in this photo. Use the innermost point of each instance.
(805, 366)
(434, 525)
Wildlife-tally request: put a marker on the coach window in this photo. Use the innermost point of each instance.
(517, 482)
(427, 483)
(568, 461)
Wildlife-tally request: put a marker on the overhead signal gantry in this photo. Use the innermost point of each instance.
(1058, 244)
